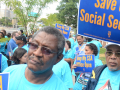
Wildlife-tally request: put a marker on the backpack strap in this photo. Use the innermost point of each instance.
(95, 77)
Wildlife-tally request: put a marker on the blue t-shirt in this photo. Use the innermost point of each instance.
(4, 63)
(6, 37)
(2, 46)
(112, 76)
(17, 80)
(11, 46)
(80, 83)
(62, 70)
(69, 54)
(75, 43)
(25, 47)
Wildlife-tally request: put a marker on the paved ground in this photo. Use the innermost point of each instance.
(9, 30)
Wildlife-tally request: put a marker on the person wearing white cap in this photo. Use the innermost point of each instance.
(106, 77)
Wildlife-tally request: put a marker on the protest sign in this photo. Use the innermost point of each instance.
(100, 19)
(4, 79)
(85, 63)
(65, 30)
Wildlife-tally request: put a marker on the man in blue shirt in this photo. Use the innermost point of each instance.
(106, 77)
(45, 50)
(12, 44)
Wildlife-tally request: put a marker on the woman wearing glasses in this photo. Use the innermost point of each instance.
(82, 78)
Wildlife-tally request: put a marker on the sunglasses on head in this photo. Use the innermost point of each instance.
(44, 50)
(109, 53)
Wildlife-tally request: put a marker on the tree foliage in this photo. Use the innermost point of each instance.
(68, 12)
(5, 21)
(51, 20)
(23, 9)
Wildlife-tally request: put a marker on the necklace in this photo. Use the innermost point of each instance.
(40, 87)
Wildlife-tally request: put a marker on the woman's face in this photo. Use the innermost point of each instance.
(23, 59)
(88, 50)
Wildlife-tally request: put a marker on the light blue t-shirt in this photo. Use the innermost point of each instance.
(69, 54)
(62, 70)
(78, 85)
(17, 80)
(2, 47)
(4, 63)
(25, 47)
(75, 43)
(112, 76)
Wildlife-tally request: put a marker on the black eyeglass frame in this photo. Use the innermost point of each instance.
(48, 49)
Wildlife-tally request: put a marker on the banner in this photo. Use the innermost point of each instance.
(4, 79)
(100, 19)
(0, 62)
(65, 30)
(85, 63)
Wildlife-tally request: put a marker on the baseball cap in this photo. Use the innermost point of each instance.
(21, 37)
(109, 44)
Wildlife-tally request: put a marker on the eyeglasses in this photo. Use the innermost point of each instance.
(109, 53)
(44, 50)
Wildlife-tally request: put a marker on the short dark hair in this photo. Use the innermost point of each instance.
(53, 31)
(68, 43)
(9, 35)
(2, 34)
(14, 33)
(21, 31)
(19, 52)
(79, 35)
(93, 47)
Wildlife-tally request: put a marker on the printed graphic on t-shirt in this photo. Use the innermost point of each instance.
(106, 86)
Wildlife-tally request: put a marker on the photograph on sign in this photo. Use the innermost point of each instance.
(85, 63)
(99, 19)
(65, 30)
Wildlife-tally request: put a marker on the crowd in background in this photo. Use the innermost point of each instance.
(15, 50)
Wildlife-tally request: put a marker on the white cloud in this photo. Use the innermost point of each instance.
(51, 9)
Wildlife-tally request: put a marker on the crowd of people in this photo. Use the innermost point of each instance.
(46, 61)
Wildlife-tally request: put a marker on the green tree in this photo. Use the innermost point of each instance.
(24, 9)
(51, 20)
(5, 21)
(68, 12)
